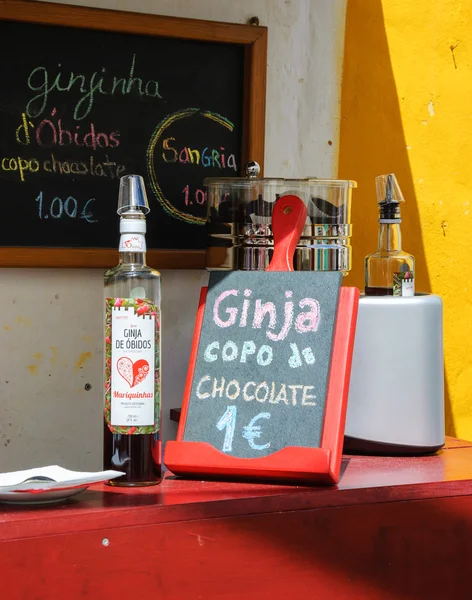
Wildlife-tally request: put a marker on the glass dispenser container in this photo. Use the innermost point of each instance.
(239, 222)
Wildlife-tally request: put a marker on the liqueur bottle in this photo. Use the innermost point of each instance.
(132, 343)
(389, 271)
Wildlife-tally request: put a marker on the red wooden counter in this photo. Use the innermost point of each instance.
(393, 528)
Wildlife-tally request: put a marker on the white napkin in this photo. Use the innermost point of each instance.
(63, 478)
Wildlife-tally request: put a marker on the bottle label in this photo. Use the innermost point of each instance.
(404, 284)
(132, 381)
(132, 242)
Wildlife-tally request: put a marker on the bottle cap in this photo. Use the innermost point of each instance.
(132, 197)
(389, 196)
(133, 225)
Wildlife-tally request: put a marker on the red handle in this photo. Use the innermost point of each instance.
(288, 221)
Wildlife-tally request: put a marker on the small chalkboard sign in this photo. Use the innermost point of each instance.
(261, 375)
(268, 376)
(89, 95)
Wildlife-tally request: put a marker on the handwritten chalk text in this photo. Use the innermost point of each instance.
(199, 197)
(250, 432)
(230, 352)
(42, 81)
(54, 132)
(19, 166)
(270, 392)
(207, 157)
(229, 315)
(56, 208)
(265, 354)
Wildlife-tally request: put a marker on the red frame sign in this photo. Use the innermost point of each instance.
(296, 464)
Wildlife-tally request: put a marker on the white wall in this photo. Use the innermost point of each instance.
(50, 324)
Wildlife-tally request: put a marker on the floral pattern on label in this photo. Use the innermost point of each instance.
(131, 367)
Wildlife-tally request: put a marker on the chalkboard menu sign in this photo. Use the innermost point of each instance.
(95, 95)
(262, 369)
(268, 378)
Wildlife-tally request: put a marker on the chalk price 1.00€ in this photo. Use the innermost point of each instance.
(69, 208)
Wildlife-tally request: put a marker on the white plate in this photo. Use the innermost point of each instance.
(15, 490)
(44, 497)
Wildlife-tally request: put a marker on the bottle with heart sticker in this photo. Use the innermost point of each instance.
(132, 349)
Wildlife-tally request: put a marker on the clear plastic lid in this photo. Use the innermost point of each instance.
(252, 179)
(249, 183)
(132, 198)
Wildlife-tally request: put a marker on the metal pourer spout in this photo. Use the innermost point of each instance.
(389, 196)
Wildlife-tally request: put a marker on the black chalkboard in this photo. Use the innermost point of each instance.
(79, 108)
(263, 362)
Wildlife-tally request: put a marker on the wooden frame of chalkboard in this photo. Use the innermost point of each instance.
(251, 39)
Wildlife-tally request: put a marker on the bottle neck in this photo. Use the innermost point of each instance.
(132, 258)
(132, 249)
(390, 237)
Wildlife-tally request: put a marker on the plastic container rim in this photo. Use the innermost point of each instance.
(306, 182)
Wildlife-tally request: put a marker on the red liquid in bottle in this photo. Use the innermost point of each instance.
(139, 456)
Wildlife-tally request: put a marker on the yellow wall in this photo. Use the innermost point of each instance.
(407, 109)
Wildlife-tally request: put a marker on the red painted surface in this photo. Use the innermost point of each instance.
(412, 551)
(363, 480)
(394, 528)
